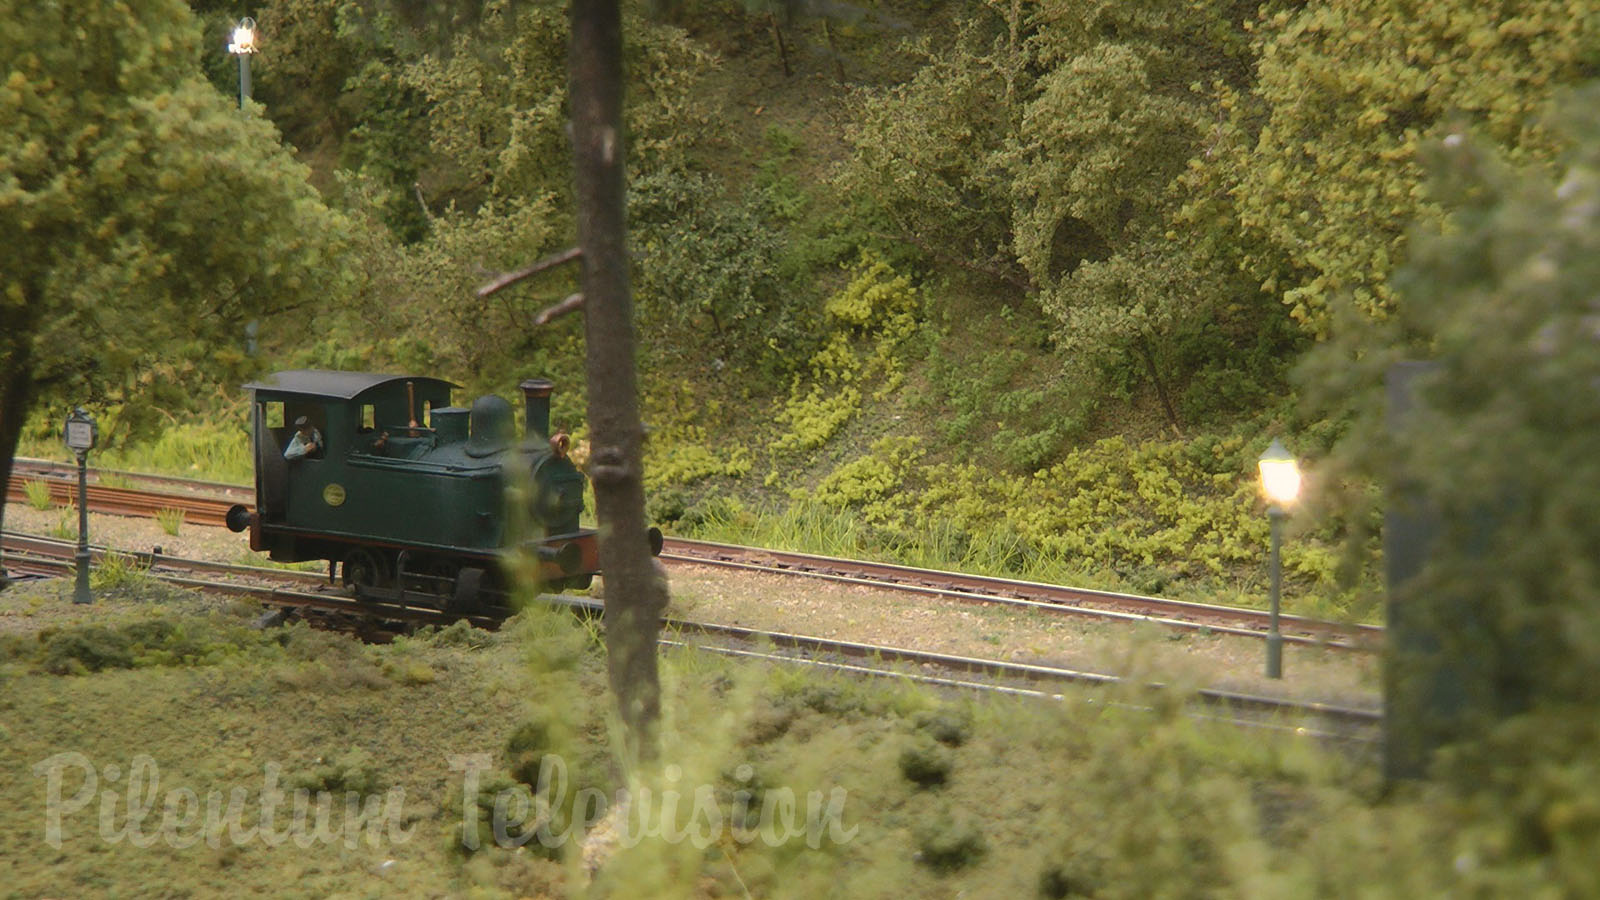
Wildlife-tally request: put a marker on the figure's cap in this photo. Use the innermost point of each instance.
(301, 422)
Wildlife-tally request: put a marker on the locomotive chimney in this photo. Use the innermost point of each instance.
(536, 403)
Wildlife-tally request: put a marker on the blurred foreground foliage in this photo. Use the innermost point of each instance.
(931, 794)
(1497, 454)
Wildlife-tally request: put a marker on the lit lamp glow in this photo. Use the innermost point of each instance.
(244, 37)
(1280, 475)
(1280, 481)
(242, 45)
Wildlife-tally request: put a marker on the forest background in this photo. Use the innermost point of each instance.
(1008, 286)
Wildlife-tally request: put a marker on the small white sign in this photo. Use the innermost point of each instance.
(80, 435)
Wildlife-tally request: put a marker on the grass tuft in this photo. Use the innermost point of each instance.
(170, 520)
(38, 494)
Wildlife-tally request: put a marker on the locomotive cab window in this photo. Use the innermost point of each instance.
(283, 420)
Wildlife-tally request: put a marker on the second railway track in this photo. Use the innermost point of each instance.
(206, 503)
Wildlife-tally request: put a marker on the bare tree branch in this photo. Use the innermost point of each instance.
(573, 303)
(549, 262)
(422, 201)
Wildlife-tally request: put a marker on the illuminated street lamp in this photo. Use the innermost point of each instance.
(1280, 481)
(242, 45)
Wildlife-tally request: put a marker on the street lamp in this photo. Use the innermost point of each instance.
(242, 45)
(80, 435)
(1280, 481)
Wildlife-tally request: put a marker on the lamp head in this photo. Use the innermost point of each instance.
(1280, 474)
(244, 37)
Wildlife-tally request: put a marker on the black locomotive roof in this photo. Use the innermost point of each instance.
(340, 385)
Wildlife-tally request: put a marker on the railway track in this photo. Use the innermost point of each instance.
(309, 594)
(206, 503)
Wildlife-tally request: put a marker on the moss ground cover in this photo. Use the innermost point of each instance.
(773, 782)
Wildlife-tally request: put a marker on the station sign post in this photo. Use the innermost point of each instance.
(80, 435)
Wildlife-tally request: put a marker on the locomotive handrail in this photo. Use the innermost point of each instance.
(366, 460)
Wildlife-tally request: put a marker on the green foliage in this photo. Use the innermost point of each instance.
(85, 649)
(38, 493)
(496, 101)
(142, 642)
(1014, 405)
(925, 763)
(1142, 801)
(117, 571)
(1044, 150)
(416, 304)
(708, 280)
(947, 843)
(869, 319)
(684, 455)
(1151, 514)
(171, 520)
(143, 219)
(1320, 159)
(923, 160)
(1500, 298)
(350, 770)
(216, 450)
(883, 471)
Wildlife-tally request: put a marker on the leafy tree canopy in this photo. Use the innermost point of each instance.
(143, 217)
(1500, 295)
(1321, 156)
(498, 109)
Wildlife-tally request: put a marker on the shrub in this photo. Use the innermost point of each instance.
(947, 843)
(87, 648)
(925, 763)
(945, 726)
(352, 769)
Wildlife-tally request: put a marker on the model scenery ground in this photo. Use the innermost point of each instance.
(850, 612)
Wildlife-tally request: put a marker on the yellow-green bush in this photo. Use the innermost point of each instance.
(1147, 513)
(868, 321)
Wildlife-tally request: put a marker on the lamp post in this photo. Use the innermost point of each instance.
(80, 435)
(242, 45)
(1280, 481)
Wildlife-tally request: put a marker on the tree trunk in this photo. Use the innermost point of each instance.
(16, 394)
(838, 59)
(783, 51)
(1161, 387)
(635, 595)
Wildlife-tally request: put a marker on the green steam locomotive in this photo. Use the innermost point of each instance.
(346, 471)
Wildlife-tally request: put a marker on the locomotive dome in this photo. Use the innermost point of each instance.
(492, 426)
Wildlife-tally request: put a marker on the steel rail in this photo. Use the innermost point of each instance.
(30, 466)
(178, 570)
(1023, 594)
(207, 511)
(1030, 693)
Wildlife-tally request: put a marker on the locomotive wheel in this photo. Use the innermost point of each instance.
(362, 570)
